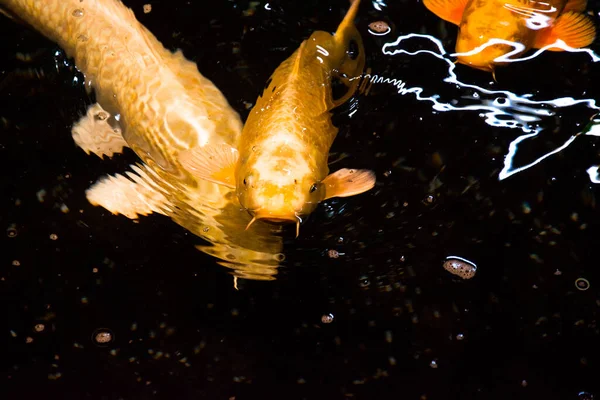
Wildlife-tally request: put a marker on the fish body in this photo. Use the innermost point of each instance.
(162, 106)
(279, 169)
(493, 31)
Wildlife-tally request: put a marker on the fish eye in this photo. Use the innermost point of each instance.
(352, 49)
(313, 188)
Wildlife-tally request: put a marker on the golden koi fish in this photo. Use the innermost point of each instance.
(488, 27)
(279, 168)
(158, 104)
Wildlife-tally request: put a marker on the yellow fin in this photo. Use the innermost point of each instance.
(575, 5)
(576, 30)
(214, 163)
(98, 133)
(348, 182)
(131, 196)
(449, 10)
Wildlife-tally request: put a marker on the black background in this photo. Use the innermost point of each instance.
(181, 331)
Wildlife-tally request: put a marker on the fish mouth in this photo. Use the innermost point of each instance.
(276, 219)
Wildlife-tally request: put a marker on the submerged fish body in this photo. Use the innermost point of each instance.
(279, 169)
(491, 32)
(165, 104)
(158, 104)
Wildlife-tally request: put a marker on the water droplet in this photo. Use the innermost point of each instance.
(78, 13)
(39, 327)
(582, 284)
(585, 396)
(327, 318)
(16, 263)
(433, 364)
(102, 337)
(205, 229)
(460, 336)
(279, 257)
(12, 232)
(53, 236)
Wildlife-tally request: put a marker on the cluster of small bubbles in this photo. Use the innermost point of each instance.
(11, 231)
(460, 267)
(39, 327)
(53, 236)
(327, 318)
(333, 253)
(102, 337)
(16, 263)
(582, 284)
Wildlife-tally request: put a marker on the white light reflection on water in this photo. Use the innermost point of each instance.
(500, 108)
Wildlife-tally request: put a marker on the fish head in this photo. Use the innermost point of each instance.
(281, 187)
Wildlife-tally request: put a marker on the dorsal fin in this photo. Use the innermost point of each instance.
(347, 23)
(297, 61)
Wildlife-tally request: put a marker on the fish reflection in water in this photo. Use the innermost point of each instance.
(499, 108)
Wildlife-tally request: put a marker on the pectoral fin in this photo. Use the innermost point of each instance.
(449, 10)
(575, 29)
(130, 196)
(214, 163)
(348, 182)
(97, 133)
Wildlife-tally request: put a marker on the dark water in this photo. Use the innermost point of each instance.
(383, 319)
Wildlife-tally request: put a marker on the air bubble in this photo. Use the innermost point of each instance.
(102, 337)
(78, 13)
(582, 284)
(327, 318)
(11, 231)
(460, 267)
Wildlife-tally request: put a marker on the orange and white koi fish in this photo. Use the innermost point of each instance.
(491, 31)
(279, 168)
